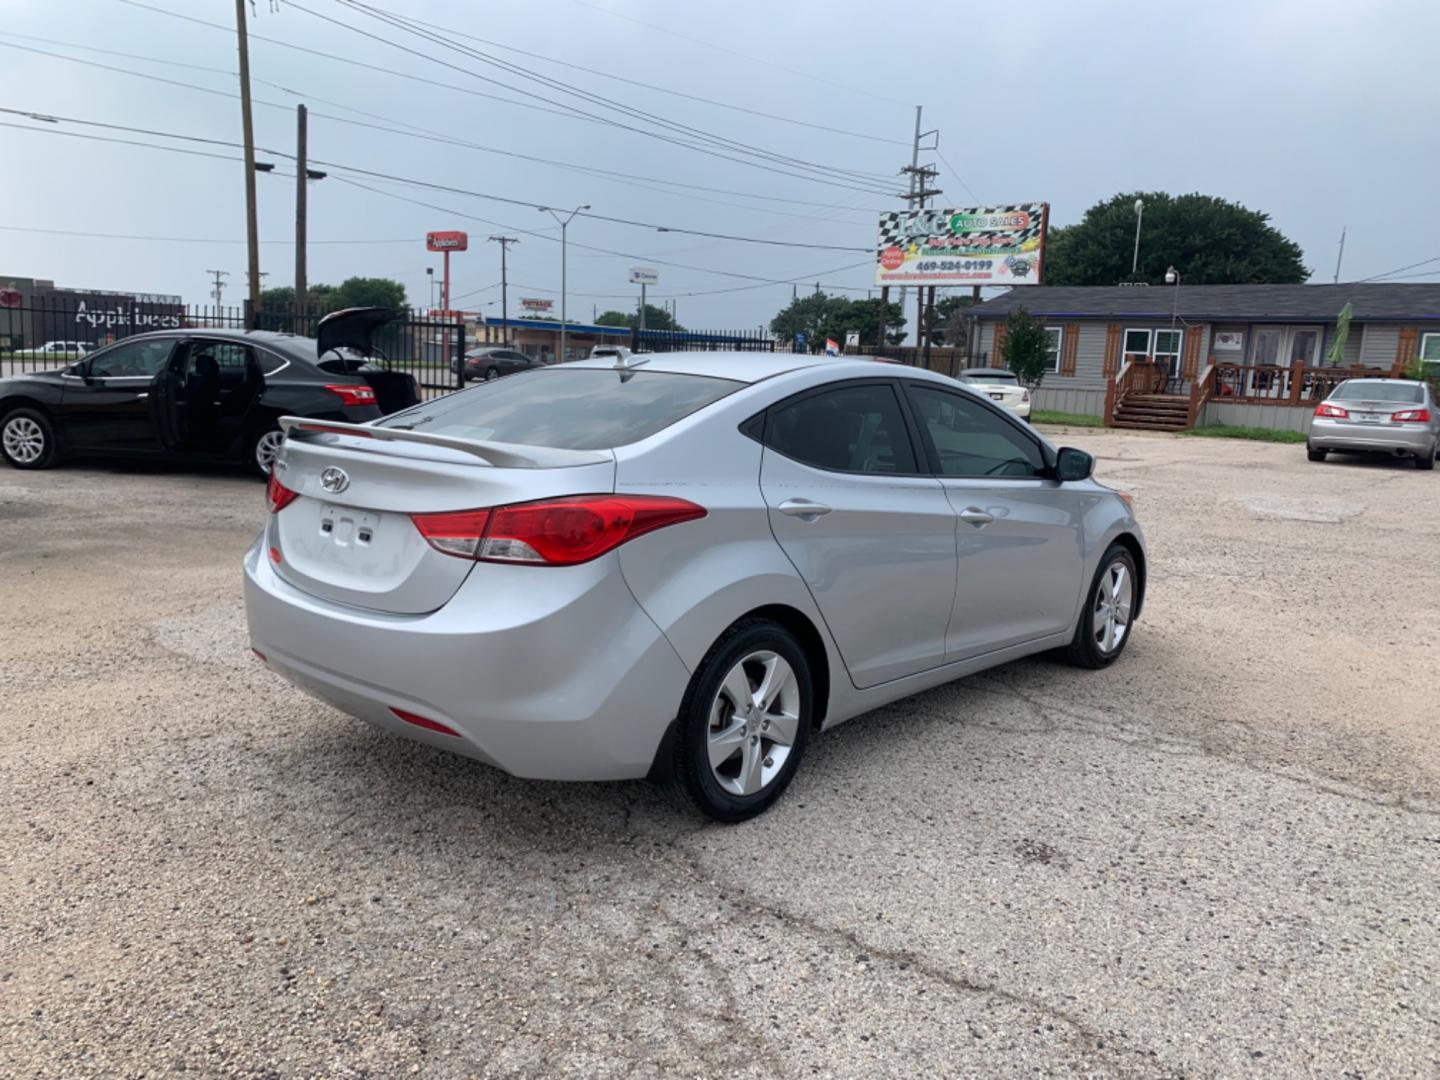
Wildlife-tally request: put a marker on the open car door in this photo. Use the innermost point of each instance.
(167, 407)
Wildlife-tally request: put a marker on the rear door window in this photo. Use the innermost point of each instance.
(568, 408)
(855, 428)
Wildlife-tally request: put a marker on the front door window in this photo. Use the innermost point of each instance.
(1304, 346)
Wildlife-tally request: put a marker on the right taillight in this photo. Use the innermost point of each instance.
(1411, 416)
(279, 495)
(552, 532)
(1335, 412)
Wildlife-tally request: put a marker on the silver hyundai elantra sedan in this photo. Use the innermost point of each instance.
(679, 566)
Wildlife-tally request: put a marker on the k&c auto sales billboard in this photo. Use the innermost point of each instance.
(979, 245)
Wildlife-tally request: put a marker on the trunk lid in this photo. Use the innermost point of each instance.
(348, 536)
(1375, 411)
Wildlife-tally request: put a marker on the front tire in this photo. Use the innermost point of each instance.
(1109, 612)
(743, 723)
(27, 439)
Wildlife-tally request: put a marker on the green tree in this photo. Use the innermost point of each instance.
(364, 292)
(656, 318)
(1210, 240)
(952, 325)
(819, 315)
(1025, 347)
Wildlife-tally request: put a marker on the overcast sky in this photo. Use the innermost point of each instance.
(1320, 113)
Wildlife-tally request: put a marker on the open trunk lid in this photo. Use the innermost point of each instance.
(348, 535)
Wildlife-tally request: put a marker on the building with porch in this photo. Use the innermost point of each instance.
(1169, 358)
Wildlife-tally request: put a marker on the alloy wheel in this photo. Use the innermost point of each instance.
(24, 440)
(267, 449)
(1110, 619)
(754, 721)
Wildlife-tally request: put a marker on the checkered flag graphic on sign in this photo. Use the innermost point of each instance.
(901, 227)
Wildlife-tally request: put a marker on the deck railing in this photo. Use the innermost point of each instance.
(1271, 384)
(1138, 374)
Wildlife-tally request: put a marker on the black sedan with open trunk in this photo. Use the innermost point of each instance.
(200, 393)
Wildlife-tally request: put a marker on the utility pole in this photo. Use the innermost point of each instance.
(920, 191)
(301, 286)
(219, 288)
(1341, 257)
(252, 226)
(504, 242)
(564, 224)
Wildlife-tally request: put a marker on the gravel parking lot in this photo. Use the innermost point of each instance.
(1219, 857)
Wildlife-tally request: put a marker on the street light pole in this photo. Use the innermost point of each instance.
(1139, 216)
(564, 224)
(1172, 277)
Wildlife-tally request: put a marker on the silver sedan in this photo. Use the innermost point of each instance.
(679, 566)
(1379, 416)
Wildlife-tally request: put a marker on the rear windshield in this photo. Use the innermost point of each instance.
(986, 376)
(1361, 390)
(568, 409)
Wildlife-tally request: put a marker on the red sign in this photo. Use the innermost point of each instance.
(446, 241)
(892, 258)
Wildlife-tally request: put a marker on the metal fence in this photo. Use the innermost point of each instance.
(700, 340)
(47, 333)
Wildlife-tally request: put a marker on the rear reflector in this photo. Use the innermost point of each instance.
(552, 532)
(1411, 416)
(326, 429)
(352, 394)
(263, 658)
(1335, 412)
(275, 555)
(279, 495)
(423, 722)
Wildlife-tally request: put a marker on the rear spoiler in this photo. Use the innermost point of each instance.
(503, 455)
(352, 328)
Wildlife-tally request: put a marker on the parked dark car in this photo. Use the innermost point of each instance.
(492, 361)
(200, 393)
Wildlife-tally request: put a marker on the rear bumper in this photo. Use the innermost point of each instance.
(548, 673)
(1375, 438)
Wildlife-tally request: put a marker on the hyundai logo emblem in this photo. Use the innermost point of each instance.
(334, 480)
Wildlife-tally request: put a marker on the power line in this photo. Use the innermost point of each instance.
(181, 239)
(562, 109)
(733, 52)
(627, 179)
(600, 73)
(335, 165)
(590, 247)
(1400, 269)
(768, 159)
(956, 173)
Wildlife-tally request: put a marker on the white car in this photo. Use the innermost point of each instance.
(1001, 387)
(65, 348)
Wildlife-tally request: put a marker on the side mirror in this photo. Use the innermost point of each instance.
(1072, 464)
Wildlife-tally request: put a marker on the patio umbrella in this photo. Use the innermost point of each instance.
(1336, 355)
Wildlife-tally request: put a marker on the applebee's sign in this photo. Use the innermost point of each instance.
(130, 316)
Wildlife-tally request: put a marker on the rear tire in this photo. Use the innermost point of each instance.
(1115, 588)
(262, 449)
(27, 439)
(1315, 455)
(743, 723)
(1426, 462)
(491, 374)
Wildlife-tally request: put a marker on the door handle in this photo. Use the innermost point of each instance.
(975, 516)
(804, 509)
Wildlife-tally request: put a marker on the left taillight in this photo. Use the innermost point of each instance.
(1025, 396)
(552, 532)
(1411, 416)
(352, 394)
(1334, 412)
(279, 495)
